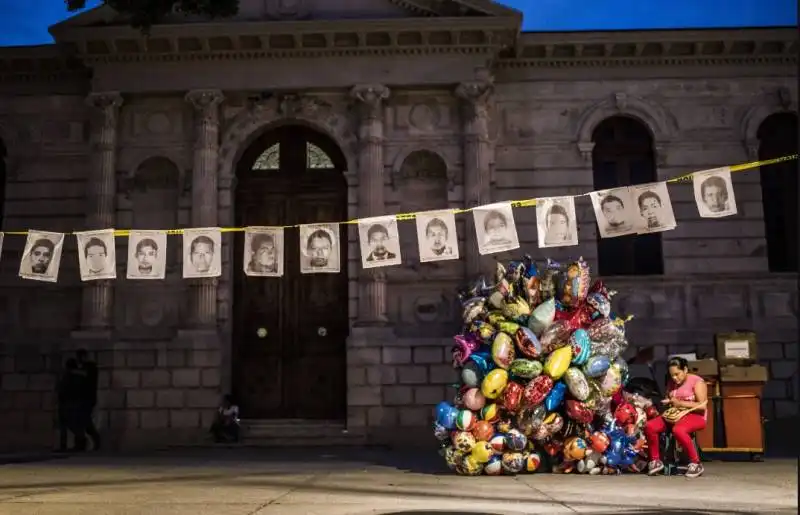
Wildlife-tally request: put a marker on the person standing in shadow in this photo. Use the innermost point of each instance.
(70, 389)
(88, 401)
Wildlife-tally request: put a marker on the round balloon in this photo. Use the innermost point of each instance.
(494, 467)
(474, 399)
(446, 415)
(470, 467)
(574, 449)
(463, 441)
(532, 461)
(471, 374)
(494, 383)
(482, 452)
(515, 440)
(465, 420)
(558, 362)
(452, 457)
(483, 431)
(490, 413)
(498, 442)
(513, 462)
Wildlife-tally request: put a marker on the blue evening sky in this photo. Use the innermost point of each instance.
(25, 22)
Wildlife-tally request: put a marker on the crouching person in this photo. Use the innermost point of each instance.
(226, 426)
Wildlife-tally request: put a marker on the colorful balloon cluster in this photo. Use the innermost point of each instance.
(541, 377)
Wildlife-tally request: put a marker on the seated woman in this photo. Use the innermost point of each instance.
(226, 426)
(688, 392)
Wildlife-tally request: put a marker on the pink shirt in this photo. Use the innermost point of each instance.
(685, 392)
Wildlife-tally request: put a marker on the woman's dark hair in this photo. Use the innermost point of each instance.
(681, 363)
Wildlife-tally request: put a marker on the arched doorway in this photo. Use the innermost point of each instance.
(289, 334)
(623, 156)
(777, 136)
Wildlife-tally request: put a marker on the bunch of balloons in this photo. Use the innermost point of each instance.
(541, 377)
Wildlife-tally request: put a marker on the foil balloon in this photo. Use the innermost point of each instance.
(463, 348)
(542, 317)
(503, 352)
(579, 411)
(577, 384)
(536, 391)
(440, 432)
(555, 336)
(581, 346)
(515, 440)
(482, 452)
(470, 467)
(530, 419)
(596, 366)
(483, 331)
(625, 414)
(605, 330)
(446, 415)
(516, 309)
(458, 400)
(504, 425)
(490, 413)
(525, 369)
(498, 442)
(533, 461)
(575, 449)
(464, 441)
(494, 467)
(527, 343)
(474, 399)
(497, 299)
(548, 279)
(513, 462)
(471, 374)
(495, 317)
(507, 327)
(483, 431)
(599, 441)
(452, 457)
(512, 397)
(575, 286)
(494, 383)
(612, 381)
(555, 397)
(600, 304)
(558, 362)
(473, 308)
(465, 420)
(484, 361)
(551, 425)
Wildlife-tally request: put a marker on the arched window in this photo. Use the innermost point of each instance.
(270, 159)
(623, 156)
(777, 136)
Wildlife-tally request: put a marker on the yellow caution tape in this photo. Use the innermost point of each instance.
(514, 203)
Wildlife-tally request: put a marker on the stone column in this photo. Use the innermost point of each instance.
(476, 99)
(101, 214)
(204, 196)
(369, 99)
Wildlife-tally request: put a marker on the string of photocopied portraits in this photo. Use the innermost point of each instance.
(514, 203)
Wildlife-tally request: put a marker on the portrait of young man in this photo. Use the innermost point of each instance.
(654, 208)
(495, 228)
(147, 255)
(96, 254)
(203, 254)
(555, 222)
(379, 241)
(319, 248)
(41, 258)
(265, 254)
(713, 194)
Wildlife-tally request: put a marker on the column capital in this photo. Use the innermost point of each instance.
(371, 97)
(104, 100)
(204, 99)
(477, 92)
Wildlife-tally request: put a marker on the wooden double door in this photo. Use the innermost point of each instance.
(289, 348)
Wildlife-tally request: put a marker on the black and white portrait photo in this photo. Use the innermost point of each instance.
(654, 207)
(263, 251)
(556, 223)
(713, 193)
(380, 241)
(147, 255)
(495, 228)
(41, 258)
(319, 249)
(436, 236)
(202, 249)
(2, 236)
(615, 212)
(97, 256)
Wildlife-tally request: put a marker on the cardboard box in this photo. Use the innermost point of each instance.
(748, 374)
(736, 348)
(707, 368)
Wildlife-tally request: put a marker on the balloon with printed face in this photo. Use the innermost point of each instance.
(494, 383)
(503, 350)
(575, 285)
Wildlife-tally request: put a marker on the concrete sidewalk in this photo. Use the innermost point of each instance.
(360, 482)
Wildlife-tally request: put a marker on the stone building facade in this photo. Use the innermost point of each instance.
(417, 105)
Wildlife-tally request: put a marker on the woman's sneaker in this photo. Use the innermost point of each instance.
(694, 470)
(654, 467)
